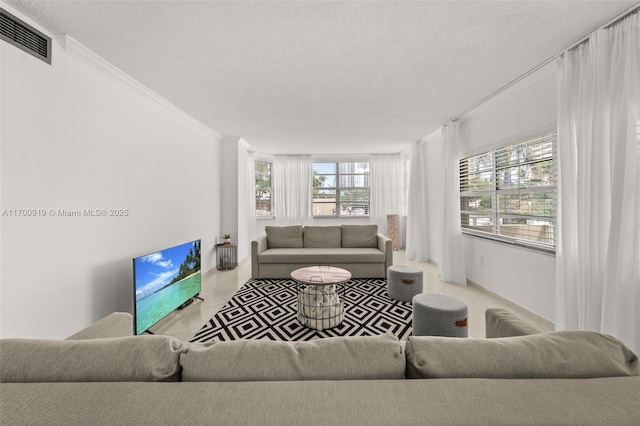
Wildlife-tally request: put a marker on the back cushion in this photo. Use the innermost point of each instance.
(118, 359)
(356, 236)
(322, 236)
(116, 324)
(331, 358)
(284, 236)
(558, 354)
(502, 323)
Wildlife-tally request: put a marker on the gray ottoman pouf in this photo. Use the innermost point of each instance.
(439, 315)
(403, 282)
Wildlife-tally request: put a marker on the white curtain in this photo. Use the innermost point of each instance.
(417, 246)
(598, 249)
(386, 189)
(451, 264)
(251, 197)
(292, 181)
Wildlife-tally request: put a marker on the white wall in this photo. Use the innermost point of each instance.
(237, 214)
(228, 183)
(73, 138)
(246, 201)
(523, 276)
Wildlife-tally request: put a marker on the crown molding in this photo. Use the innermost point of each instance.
(535, 75)
(77, 50)
(243, 143)
(431, 136)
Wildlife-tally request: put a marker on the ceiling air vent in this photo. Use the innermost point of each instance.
(24, 36)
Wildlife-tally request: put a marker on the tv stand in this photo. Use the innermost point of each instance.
(189, 301)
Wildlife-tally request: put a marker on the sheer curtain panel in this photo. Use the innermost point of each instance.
(417, 242)
(292, 181)
(386, 189)
(598, 252)
(452, 268)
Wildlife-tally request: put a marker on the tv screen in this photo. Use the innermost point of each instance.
(163, 281)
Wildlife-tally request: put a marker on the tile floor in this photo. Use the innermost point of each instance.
(219, 286)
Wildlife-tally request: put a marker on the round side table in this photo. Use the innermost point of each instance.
(319, 305)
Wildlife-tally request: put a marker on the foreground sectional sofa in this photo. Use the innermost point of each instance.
(357, 248)
(103, 375)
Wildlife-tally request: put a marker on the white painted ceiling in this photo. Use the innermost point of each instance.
(324, 77)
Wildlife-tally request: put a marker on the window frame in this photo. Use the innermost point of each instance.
(338, 188)
(497, 211)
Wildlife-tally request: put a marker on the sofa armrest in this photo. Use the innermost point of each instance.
(502, 323)
(116, 324)
(257, 246)
(385, 245)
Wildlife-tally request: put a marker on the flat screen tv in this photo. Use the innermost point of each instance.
(164, 281)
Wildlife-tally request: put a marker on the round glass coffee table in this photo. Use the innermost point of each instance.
(319, 305)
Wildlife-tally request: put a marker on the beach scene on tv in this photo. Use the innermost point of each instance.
(165, 280)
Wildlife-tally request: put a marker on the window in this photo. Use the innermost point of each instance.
(341, 189)
(264, 189)
(510, 193)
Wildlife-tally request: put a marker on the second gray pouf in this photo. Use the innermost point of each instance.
(439, 315)
(403, 282)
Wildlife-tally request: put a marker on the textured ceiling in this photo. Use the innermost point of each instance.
(324, 77)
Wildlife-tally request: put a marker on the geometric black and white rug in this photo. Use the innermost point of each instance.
(266, 309)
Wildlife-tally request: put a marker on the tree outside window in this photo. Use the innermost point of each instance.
(263, 189)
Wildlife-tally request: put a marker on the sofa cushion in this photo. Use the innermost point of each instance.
(322, 236)
(502, 323)
(558, 354)
(332, 358)
(314, 256)
(119, 359)
(359, 235)
(284, 236)
(116, 324)
(473, 402)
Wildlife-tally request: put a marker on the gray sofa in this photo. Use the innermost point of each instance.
(357, 248)
(103, 375)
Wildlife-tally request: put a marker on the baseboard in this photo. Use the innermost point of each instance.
(209, 272)
(526, 314)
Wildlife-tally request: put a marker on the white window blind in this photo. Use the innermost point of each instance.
(510, 193)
